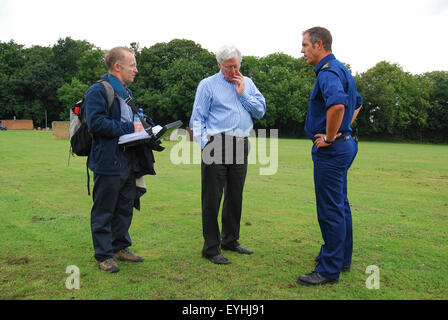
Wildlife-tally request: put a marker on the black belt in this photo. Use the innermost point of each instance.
(342, 138)
(234, 138)
(338, 139)
(122, 147)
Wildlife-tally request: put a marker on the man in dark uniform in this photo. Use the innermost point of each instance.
(334, 105)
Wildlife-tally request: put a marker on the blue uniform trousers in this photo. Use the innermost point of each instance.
(331, 165)
(111, 215)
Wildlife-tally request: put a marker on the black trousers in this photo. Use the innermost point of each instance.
(111, 215)
(223, 169)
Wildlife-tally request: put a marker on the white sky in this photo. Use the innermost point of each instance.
(411, 33)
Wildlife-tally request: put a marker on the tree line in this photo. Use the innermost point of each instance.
(42, 83)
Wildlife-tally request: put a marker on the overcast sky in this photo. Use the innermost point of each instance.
(411, 33)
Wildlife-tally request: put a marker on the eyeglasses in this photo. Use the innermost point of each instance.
(231, 67)
(132, 66)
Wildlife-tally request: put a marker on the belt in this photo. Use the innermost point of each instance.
(122, 147)
(338, 139)
(342, 138)
(234, 138)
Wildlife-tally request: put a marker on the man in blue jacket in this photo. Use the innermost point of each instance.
(334, 105)
(114, 180)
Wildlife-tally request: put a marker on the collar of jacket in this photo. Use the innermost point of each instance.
(320, 66)
(118, 86)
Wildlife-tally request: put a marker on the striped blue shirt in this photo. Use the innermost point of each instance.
(219, 109)
(127, 115)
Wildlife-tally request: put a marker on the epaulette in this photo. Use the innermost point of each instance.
(326, 66)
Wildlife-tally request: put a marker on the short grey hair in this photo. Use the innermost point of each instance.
(320, 33)
(115, 55)
(228, 52)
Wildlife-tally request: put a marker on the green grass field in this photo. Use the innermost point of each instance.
(398, 194)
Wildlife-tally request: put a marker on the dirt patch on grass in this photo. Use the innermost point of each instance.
(191, 213)
(37, 218)
(15, 261)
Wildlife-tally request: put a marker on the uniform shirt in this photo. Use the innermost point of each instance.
(219, 109)
(334, 85)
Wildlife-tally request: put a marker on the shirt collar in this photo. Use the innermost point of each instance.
(323, 62)
(221, 75)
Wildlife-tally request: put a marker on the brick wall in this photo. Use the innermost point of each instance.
(18, 124)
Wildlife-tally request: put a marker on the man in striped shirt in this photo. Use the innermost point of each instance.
(221, 120)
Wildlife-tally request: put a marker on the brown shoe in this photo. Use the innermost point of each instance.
(127, 255)
(108, 265)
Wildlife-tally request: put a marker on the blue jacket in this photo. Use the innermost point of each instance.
(106, 127)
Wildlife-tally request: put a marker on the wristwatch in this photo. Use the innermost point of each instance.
(326, 141)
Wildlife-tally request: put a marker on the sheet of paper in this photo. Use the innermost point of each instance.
(138, 135)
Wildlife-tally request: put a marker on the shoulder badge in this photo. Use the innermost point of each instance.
(326, 66)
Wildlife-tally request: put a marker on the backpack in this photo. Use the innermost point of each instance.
(80, 137)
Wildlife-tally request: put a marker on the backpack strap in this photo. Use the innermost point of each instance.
(109, 90)
(148, 128)
(88, 175)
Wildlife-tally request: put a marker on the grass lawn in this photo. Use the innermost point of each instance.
(398, 194)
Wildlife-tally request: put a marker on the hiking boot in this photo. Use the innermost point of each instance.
(127, 255)
(108, 265)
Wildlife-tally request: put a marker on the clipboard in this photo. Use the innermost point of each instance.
(159, 132)
(167, 130)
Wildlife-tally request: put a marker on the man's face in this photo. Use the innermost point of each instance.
(310, 51)
(128, 68)
(230, 68)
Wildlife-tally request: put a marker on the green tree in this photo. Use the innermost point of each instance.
(12, 58)
(394, 102)
(69, 94)
(180, 81)
(437, 123)
(35, 85)
(168, 76)
(91, 66)
(66, 54)
(286, 83)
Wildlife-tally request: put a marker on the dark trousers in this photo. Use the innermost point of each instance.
(111, 215)
(331, 165)
(226, 174)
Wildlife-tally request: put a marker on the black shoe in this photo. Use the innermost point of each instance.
(218, 259)
(314, 279)
(239, 249)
